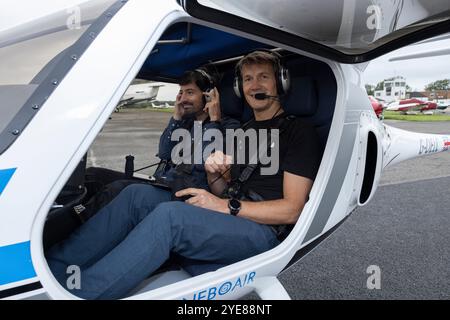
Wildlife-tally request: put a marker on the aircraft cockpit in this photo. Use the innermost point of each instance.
(184, 46)
(91, 89)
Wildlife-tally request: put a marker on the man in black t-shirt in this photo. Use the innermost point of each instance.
(134, 235)
(298, 154)
(260, 78)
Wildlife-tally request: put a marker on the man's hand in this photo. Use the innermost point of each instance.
(212, 106)
(217, 164)
(203, 199)
(179, 111)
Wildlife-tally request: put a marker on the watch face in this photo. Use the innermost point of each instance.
(235, 204)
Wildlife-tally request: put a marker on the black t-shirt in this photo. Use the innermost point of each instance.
(299, 154)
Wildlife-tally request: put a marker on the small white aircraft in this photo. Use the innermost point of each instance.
(442, 105)
(65, 68)
(138, 93)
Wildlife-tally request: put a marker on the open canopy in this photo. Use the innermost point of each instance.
(348, 31)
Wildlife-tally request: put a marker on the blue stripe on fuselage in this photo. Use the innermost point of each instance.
(5, 176)
(15, 263)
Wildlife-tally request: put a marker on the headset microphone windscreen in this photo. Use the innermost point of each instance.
(263, 96)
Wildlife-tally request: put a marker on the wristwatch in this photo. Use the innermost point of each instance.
(234, 205)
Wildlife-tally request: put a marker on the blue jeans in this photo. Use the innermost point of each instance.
(134, 234)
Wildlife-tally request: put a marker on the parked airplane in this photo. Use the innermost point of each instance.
(64, 72)
(414, 105)
(138, 93)
(377, 106)
(442, 106)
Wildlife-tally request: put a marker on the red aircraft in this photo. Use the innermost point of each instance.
(377, 107)
(412, 106)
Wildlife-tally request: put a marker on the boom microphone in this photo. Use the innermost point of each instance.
(263, 96)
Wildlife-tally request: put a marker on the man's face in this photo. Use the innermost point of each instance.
(259, 78)
(190, 97)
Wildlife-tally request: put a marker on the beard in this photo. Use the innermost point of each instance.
(189, 116)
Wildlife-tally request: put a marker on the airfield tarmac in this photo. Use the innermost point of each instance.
(404, 230)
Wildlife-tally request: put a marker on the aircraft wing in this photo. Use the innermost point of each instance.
(50, 21)
(126, 100)
(407, 107)
(442, 39)
(424, 54)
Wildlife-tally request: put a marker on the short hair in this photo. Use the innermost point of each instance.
(196, 77)
(259, 57)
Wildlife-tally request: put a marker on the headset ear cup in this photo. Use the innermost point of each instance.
(285, 79)
(279, 80)
(237, 87)
(282, 77)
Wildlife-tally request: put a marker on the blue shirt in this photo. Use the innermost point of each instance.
(166, 145)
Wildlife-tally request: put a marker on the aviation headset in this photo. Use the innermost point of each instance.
(210, 83)
(281, 75)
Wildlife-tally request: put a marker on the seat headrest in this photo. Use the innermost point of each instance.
(301, 100)
(230, 104)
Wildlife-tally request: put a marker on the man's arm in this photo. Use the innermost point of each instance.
(217, 121)
(217, 167)
(165, 143)
(283, 211)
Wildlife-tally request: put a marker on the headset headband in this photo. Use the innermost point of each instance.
(207, 77)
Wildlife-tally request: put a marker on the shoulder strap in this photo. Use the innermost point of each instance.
(281, 124)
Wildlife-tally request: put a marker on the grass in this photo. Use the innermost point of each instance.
(392, 115)
(388, 115)
(167, 110)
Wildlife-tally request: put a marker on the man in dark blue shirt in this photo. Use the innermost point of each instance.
(197, 105)
(197, 102)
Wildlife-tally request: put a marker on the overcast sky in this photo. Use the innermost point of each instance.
(418, 72)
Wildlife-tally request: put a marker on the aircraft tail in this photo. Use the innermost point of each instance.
(154, 92)
(400, 145)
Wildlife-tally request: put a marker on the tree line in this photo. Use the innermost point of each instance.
(443, 84)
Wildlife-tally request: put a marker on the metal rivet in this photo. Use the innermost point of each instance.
(74, 57)
(92, 35)
(109, 14)
(35, 107)
(16, 132)
(55, 82)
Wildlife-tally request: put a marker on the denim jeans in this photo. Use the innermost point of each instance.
(133, 236)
